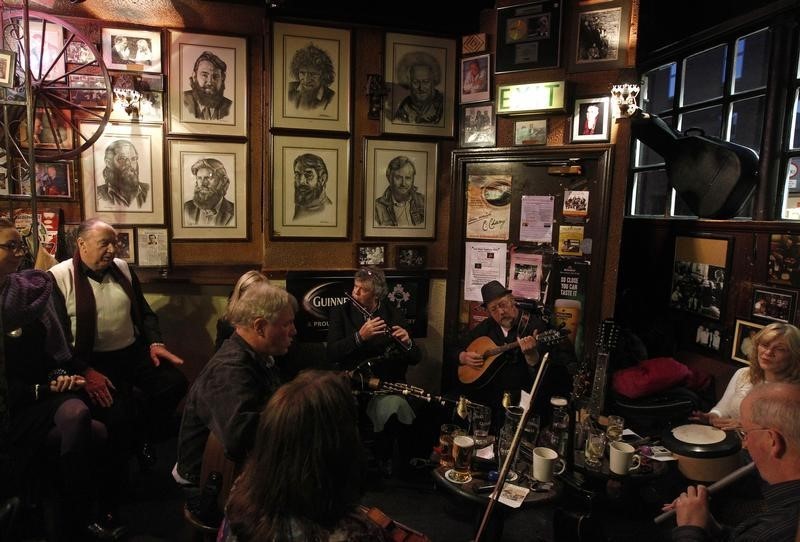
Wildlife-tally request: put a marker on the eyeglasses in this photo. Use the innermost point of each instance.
(744, 432)
(15, 247)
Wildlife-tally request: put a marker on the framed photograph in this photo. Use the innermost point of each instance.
(708, 336)
(370, 254)
(123, 173)
(420, 75)
(310, 187)
(699, 275)
(88, 90)
(311, 77)
(5, 180)
(411, 257)
(152, 247)
(78, 53)
(528, 36)
(600, 37)
(776, 304)
(8, 62)
(530, 132)
(591, 120)
(47, 44)
(208, 184)
(743, 340)
(476, 79)
(784, 259)
(478, 125)
(126, 244)
(52, 129)
(71, 237)
(400, 189)
(53, 180)
(130, 49)
(151, 108)
(217, 63)
(474, 43)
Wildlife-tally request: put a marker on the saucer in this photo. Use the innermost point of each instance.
(511, 476)
(451, 477)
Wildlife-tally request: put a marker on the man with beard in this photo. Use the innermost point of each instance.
(121, 175)
(401, 204)
(310, 178)
(206, 100)
(313, 70)
(420, 73)
(209, 206)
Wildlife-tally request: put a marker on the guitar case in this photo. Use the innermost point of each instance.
(714, 177)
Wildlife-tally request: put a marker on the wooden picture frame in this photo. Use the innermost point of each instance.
(783, 263)
(371, 254)
(530, 132)
(152, 247)
(700, 274)
(774, 304)
(310, 187)
(411, 256)
(528, 36)
(53, 180)
(227, 114)
(742, 340)
(132, 49)
(476, 79)
(318, 49)
(146, 204)
(414, 159)
(126, 244)
(52, 129)
(591, 120)
(431, 62)
(197, 167)
(478, 125)
(47, 58)
(8, 64)
(600, 37)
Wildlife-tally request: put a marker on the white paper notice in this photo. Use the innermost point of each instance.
(513, 495)
(536, 220)
(484, 262)
(525, 274)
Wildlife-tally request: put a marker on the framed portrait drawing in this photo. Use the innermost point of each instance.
(52, 129)
(8, 63)
(420, 75)
(126, 244)
(311, 77)
(218, 63)
(130, 49)
(528, 36)
(783, 263)
(152, 247)
(411, 257)
(600, 37)
(700, 275)
(370, 254)
(530, 132)
(775, 304)
(310, 187)
(400, 189)
(208, 187)
(123, 173)
(743, 340)
(591, 120)
(476, 79)
(478, 125)
(53, 180)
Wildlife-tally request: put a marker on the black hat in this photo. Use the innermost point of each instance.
(493, 290)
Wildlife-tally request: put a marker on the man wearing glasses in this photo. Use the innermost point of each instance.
(770, 432)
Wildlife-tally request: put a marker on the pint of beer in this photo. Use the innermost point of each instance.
(463, 449)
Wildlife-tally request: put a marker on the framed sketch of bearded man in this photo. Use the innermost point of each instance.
(207, 84)
(310, 77)
(420, 73)
(123, 173)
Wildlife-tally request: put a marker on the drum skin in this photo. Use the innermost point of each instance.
(704, 453)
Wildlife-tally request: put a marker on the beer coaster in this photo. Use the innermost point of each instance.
(451, 477)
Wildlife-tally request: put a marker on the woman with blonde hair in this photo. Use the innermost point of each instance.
(224, 328)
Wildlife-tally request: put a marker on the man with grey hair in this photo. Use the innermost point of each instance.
(206, 99)
(232, 389)
(209, 206)
(400, 205)
(420, 73)
(770, 432)
(121, 174)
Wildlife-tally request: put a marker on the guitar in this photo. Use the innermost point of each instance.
(606, 342)
(478, 377)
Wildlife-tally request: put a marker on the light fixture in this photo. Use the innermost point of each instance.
(624, 97)
(129, 100)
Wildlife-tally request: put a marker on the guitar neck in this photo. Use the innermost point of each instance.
(598, 398)
(500, 349)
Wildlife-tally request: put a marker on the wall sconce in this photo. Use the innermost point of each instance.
(624, 97)
(376, 90)
(129, 99)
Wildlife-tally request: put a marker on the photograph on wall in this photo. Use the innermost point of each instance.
(88, 90)
(149, 107)
(411, 257)
(152, 247)
(699, 275)
(476, 79)
(126, 244)
(576, 203)
(600, 37)
(79, 53)
(8, 64)
(420, 75)
(590, 120)
(525, 274)
(776, 304)
(53, 179)
(46, 50)
(370, 254)
(311, 77)
(209, 190)
(570, 239)
(530, 132)
(488, 206)
(708, 336)
(743, 344)
(478, 127)
(784, 259)
(130, 49)
(52, 129)
(208, 84)
(528, 36)
(400, 189)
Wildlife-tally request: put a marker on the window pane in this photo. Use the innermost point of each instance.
(709, 120)
(795, 143)
(747, 122)
(650, 192)
(791, 200)
(752, 59)
(660, 89)
(703, 75)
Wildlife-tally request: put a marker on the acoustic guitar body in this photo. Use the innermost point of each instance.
(470, 375)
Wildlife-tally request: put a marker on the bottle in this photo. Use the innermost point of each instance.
(560, 425)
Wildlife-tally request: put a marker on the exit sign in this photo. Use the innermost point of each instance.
(531, 98)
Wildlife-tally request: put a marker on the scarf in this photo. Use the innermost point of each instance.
(86, 307)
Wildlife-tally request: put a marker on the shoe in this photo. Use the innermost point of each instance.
(147, 456)
(107, 528)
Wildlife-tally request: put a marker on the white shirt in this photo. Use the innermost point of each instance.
(738, 388)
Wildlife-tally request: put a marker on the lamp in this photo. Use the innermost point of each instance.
(129, 99)
(376, 90)
(624, 97)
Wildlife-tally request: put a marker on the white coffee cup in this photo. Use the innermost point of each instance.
(544, 464)
(622, 458)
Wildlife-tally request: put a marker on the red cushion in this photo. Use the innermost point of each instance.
(649, 376)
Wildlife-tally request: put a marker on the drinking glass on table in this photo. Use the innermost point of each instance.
(595, 448)
(481, 422)
(616, 424)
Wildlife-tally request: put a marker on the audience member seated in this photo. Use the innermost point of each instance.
(303, 479)
(233, 387)
(774, 358)
(770, 431)
(373, 338)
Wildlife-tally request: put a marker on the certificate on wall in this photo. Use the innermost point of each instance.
(488, 206)
(536, 221)
(484, 262)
